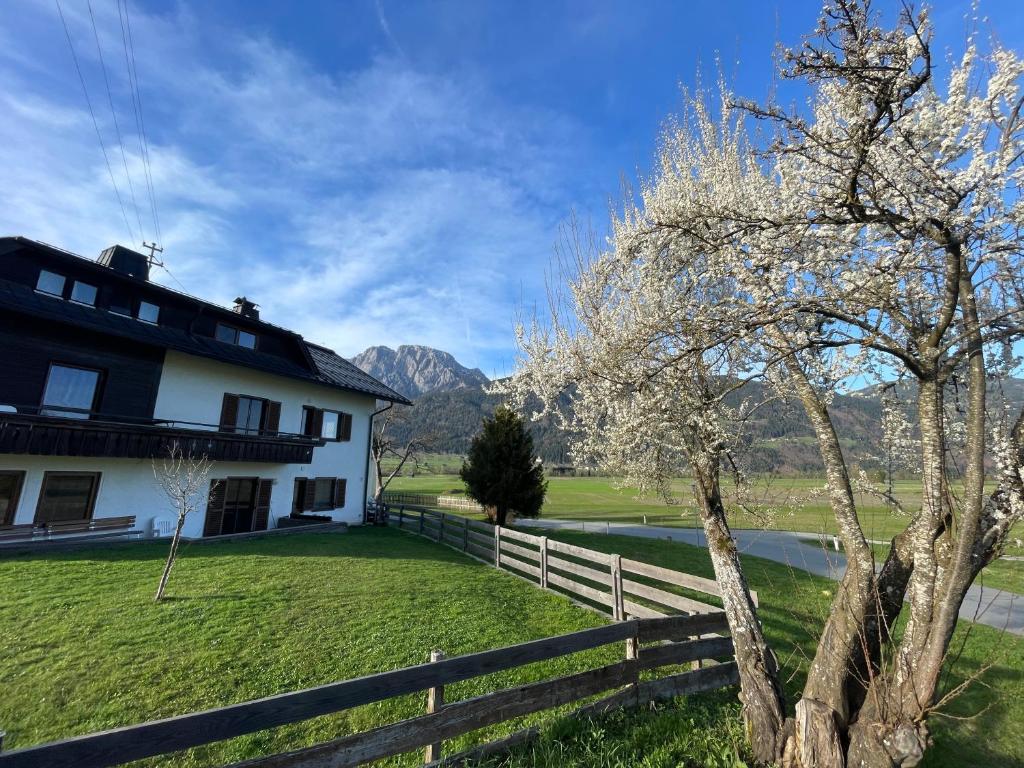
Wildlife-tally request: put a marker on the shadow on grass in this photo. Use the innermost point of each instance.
(359, 543)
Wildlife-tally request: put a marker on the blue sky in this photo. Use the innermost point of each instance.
(370, 172)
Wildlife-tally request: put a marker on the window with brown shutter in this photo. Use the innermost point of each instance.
(229, 413)
(309, 496)
(339, 492)
(299, 495)
(261, 513)
(345, 427)
(215, 508)
(272, 414)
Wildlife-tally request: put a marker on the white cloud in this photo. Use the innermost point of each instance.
(375, 205)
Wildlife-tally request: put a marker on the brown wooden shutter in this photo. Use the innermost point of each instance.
(318, 423)
(310, 497)
(261, 515)
(273, 416)
(229, 413)
(345, 426)
(215, 507)
(339, 492)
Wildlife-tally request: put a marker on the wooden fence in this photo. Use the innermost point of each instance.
(450, 501)
(649, 644)
(609, 583)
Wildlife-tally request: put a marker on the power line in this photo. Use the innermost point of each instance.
(137, 110)
(133, 76)
(113, 114)
(95, 124)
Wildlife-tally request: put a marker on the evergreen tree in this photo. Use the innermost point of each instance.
(502, 471)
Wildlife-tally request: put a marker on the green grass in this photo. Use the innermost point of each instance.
(85, 647)
(793, 501)
(793, 607)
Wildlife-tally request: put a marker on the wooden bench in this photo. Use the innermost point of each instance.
(49, 531)
(86, 526)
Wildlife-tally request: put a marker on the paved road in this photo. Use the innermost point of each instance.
(1003, 610)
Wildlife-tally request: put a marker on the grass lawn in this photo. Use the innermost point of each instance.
(794, 605)
(85, 647)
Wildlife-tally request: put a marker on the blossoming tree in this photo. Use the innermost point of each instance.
(875, 232)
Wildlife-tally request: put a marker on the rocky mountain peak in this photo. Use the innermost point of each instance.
(415, 370)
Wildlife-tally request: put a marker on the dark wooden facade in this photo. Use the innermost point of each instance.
(130, 371)
(48, 436)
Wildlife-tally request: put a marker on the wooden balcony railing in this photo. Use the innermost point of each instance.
(82, 433)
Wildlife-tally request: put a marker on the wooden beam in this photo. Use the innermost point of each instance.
(669, 599)
(680, 627)
(452, 720)
(655, 656)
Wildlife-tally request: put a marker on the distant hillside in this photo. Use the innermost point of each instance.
(451, 403)
(414, 370)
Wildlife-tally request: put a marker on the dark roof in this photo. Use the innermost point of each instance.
(326, 367)
(338, 371)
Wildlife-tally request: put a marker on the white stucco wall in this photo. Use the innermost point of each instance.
(192, 389)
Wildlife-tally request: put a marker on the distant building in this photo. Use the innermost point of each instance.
(103, 370)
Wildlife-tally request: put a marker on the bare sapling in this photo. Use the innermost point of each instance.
(184, 480)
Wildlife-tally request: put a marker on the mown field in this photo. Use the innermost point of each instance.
(85, 648)
(786, 504)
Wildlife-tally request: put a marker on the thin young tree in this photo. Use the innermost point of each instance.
(502, 470)
(184, 480)
(874, 233)
(385, 445)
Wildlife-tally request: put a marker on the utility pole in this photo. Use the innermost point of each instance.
(153, 250)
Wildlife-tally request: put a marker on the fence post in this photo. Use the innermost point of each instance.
(618, 607)
(401, 512)
(435, 700)
(497, 546)
(440, 530)
(421, 522)
(543, 562)
(465, 534)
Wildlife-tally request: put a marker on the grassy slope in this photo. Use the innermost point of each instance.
(596, 498)
(85, 648)
(793, 608)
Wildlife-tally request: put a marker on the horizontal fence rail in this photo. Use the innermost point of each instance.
(443, 720)
(608, 583)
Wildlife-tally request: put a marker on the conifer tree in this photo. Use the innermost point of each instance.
(502, 470)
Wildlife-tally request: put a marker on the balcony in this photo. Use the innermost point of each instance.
(90, 434)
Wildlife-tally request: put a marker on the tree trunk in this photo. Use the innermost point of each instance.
(760, 690)
(170, 558)
(842, 638)
(501, 513)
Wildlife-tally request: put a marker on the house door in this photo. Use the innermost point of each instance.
(238, 505)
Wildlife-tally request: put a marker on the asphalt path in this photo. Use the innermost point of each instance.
(985, 605)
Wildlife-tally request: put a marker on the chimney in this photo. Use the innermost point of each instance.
(246, 308)
(125, 261)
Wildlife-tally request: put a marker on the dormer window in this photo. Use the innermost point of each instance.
(231, 335)
(83, 293)
(148, 313)
(50, 283)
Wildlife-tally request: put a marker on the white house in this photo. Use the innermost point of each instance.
(102, 371)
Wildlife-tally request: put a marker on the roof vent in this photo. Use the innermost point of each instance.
(126, 261)
(246, 308)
